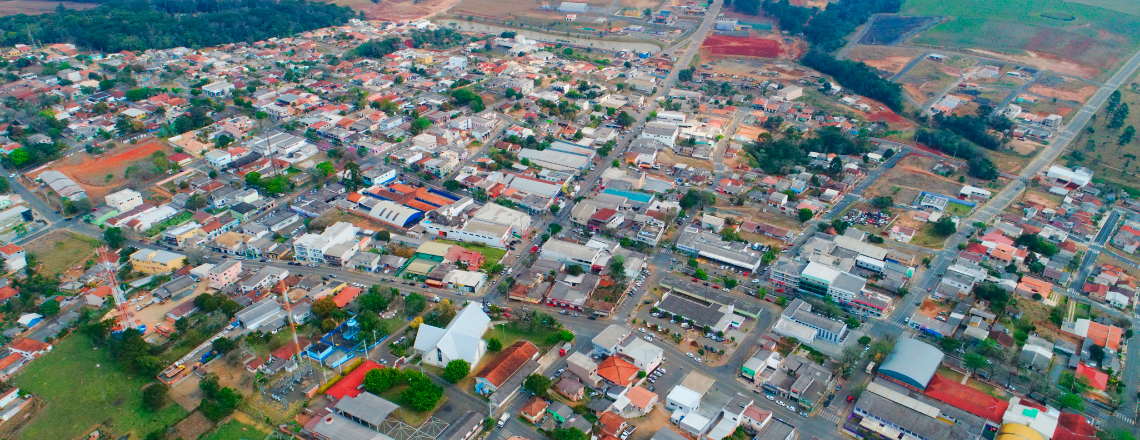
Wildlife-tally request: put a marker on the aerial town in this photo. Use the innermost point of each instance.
(607, 220)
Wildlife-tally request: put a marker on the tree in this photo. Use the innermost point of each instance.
(1072, 401)
(950, 344)
(568, 434)
(882, 202)
(494, 344)
(624, 119)
(452, 185)
(154, 396)
(324, 307)
(114, 237)
(49, 308)
(864, 340)
(537, 384)
(805, 214)
(224, 345)
(974, 361)
(944, 226)
(456, 370)
(381, 380)
(415, 303)
(374, 302)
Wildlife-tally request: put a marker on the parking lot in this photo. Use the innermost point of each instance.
(870, 218)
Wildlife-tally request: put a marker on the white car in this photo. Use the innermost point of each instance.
(755, 281)
(649, 338)
(791, 408)
(641, 330)
(690, 355)
(780, 402)
(769, 396)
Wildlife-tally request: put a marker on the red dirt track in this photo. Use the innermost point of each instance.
(742, 46)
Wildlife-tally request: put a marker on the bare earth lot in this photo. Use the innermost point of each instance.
(59, 250)
(889, 60)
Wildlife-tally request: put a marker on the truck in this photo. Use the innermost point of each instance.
(434, 298)
(870, 366)
(566, 346)
(503, 419)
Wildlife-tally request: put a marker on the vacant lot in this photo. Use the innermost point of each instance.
(889, 29)
(724, 45)
(926, 79)
(1010, 160)
(889, 60)
(1101, 151)
(909, 178)
(1065, 89)
(105, 173)
(85, 391)
(61, 249)
(1057, 35)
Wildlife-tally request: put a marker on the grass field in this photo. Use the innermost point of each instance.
(926, 237)
(1091, 36)
(509, 334)
(85, 391)
(235, 430)
(1099, 151)
(958, 209)
(60, 249)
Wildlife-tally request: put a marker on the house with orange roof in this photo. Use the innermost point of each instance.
(98, 296)
(14, 257)
(617, 371)
(7, 292)
(1004, 253)
(534, 409)
(641, 401)
(1029, 287)
(10, 364)
(346, 296)
(611, 423)
(508, 364)
(29, 348)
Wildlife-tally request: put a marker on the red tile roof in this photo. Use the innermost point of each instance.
(617, 371)
(967, 399)
(346, 296)
(349, 385)
(509, 362)
(1073, 427)
(1097, 379)
(28, 345)
(7, 292)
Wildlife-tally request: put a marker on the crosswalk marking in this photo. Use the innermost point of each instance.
(1125, 418)
(829, 417)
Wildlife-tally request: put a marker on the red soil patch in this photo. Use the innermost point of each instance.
(742, 46)
(90, 171)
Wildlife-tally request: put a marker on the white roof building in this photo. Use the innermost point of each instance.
(461, 339)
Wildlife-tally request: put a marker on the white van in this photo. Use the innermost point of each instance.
(503, 419)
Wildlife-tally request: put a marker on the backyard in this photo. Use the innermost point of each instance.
(85, 391)
(511, 332)
(236, 430)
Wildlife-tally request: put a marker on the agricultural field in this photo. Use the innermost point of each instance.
(1100, 149)
(888, 60)
(33, 7)
(60, 250)
(85, 390)
(1067, 37)
(890, 29)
